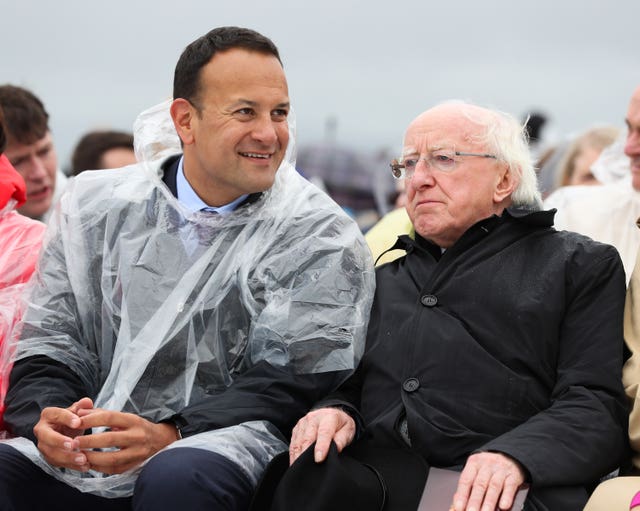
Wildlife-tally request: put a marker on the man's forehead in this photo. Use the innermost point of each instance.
(16, 148)
(441, 127)
(242, 76)
(418, 141)
(234, 64)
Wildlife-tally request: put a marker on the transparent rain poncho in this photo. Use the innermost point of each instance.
(137, 295)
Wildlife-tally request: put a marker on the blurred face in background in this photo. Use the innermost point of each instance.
(632, 147)
(37, 163)
(117, 157)
(581, 174)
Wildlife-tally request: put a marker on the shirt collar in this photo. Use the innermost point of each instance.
(188, 196)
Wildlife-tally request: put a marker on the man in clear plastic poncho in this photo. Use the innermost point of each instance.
(155, 324)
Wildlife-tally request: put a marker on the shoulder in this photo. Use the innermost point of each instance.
(570, 243)
(592, 201)
(583, 258)
(103, 190)
(298, 202)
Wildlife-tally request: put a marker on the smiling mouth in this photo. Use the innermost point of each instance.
(256, 155)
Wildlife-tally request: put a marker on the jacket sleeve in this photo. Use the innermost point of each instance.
(582, 434)
(264, 392)
(631, 369)
(347, 398)
(36, 383)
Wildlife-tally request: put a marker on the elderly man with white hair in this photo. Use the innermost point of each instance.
(494, 347)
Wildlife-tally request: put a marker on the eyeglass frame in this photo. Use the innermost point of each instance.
(396, 166)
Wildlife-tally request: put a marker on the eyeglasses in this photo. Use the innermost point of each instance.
(445, 160)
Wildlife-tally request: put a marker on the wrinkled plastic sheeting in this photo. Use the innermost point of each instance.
(251, 445)
(286, 280)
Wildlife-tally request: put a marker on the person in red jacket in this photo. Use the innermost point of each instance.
(20, 238)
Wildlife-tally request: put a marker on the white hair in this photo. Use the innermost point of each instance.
(504, 136)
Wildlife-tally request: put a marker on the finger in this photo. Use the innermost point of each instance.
(109, 419)
(83, 403)
(114, 461)
(72, 459)
(295, 447)
(105, 440)
(344, 436)
(298, 431)
(465, 483)
(479, 489)
(83, 412)
(325, 433)
(52, 439)
(492, 494)
(60, 417)
(307, 438)
(509, 491)
(57, 429)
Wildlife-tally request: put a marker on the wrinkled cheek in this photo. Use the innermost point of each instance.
(426, 225)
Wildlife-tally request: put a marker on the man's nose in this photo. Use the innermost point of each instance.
(632, 147)
(34, 169)
(265, 130)
(422, 174)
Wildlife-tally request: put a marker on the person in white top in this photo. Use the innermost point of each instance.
(608, 213)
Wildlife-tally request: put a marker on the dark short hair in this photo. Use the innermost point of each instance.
(26, 120)
(90, 148)
(186, 78)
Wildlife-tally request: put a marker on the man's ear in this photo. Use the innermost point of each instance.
(182, 113)
(505, 185)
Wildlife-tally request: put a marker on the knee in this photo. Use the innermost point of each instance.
(613, 494)
(17, 473)
(166, 472)
(187, 478)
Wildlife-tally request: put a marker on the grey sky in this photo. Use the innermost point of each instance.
(372, 65)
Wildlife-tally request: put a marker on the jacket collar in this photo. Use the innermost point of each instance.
(169, 176)
(523, 215)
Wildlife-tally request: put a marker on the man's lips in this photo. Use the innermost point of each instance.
(427, 202)
(256, 155)
(39, 194)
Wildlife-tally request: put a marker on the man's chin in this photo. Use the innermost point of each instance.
(35, 211)
(263, 182)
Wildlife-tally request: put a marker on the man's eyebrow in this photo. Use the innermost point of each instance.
(248, 102)
(406, 151)
(242, 101)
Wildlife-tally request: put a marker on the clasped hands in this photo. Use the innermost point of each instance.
(127, 441)
(489, 480)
